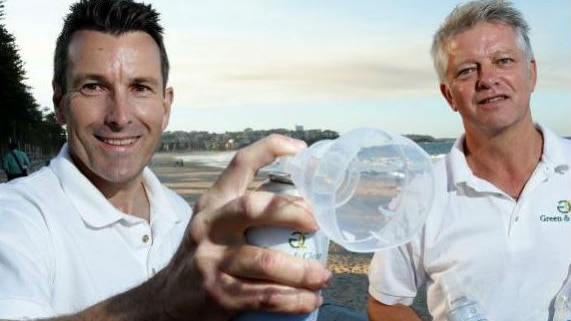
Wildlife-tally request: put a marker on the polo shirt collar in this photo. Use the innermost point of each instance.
(552, 161)
(554, 158)
(95, 210)
(460, 172)
(161, 205)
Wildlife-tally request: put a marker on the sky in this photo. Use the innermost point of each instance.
(320, 64)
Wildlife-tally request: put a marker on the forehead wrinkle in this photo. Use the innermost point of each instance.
(114, 58)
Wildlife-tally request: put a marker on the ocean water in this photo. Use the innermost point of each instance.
(221, 159)
(437, 149)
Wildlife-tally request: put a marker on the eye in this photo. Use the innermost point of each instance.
(465, 72)
(91, 88)
(504, 61)
(142, 89)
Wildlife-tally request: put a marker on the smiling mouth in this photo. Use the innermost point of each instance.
(493, 99)
(118, 141)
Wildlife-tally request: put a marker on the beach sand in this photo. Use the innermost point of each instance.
(349, 288)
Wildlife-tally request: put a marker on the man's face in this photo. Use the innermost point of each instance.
(115, 108)
(488, 80)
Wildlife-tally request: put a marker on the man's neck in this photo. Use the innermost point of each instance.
(507, 160)
(131, 200)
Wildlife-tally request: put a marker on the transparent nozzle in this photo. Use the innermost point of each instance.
(369, 189)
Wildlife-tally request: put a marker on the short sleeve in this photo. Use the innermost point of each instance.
(395, 274)
(25, 277)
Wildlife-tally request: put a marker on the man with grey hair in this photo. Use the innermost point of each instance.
(502, 198)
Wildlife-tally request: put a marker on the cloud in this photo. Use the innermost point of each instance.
(229, 68)
(213, 69)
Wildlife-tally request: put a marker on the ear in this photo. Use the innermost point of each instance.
(57, 99)
(533, 73)
(167, 103)
(445, 91)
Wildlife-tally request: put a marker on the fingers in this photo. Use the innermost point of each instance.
(248, 277)
(255, 263)
(227, 225)
(240, 276)
(235, 179)
(260, 209)
(238, 291)
(244, 295)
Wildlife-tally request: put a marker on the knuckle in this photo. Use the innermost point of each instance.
(270, 299)
(266, 262)
(239, 159)
(213, 283)
(201, 203)
(198, 228)
(214, 289)
(245, 206)
(274, 138)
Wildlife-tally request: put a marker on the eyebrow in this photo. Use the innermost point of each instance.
(78, 78)
(99, 78)
(493, 54)
(148, 80)
(506, 51)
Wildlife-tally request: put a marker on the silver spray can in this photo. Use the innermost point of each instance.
(311, 246)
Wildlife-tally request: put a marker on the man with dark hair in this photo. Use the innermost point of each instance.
(128, 17)
(95, 236)
(502, 195)
(15, 163)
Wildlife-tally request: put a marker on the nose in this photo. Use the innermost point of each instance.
(487, 77)
(119, 113)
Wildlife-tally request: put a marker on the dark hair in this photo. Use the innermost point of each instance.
(13, 145)
(109, 16)
(467, 15)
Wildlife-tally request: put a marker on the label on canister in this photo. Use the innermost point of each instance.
(311, 246)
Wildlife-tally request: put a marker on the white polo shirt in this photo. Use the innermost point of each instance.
(64, 247)
(511, 256)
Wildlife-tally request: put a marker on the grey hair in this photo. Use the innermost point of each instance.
(466, 16)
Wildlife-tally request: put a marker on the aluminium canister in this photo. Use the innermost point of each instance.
(311, 246)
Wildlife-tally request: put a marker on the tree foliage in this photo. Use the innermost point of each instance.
(20, 116)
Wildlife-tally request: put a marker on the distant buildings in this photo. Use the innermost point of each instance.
(201, 140)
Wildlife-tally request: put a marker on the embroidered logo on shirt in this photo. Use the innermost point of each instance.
(564, 206)
(563, 209)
